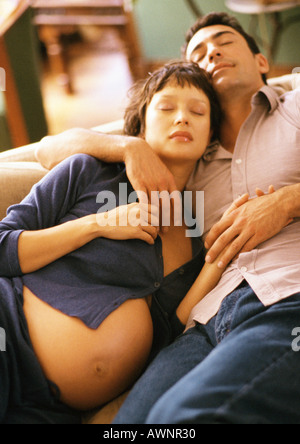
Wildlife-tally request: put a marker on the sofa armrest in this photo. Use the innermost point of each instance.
(16, 180)
(22, 154)
(26, 153)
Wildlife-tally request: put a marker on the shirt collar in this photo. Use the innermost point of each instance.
(215, 151)
(267, 96)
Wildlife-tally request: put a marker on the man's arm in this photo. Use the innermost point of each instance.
(252, 224)
(145, 170)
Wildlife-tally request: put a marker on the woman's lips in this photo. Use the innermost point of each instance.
(182, 136)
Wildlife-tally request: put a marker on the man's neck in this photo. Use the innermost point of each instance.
(236, 110)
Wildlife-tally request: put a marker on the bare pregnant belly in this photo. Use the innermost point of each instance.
(90, 367)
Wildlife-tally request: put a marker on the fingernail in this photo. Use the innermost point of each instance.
(221, 264)
(208, 259)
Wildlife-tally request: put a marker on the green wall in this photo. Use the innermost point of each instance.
(162, 26)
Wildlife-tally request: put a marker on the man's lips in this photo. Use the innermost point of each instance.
(221, 66)
(182, 135)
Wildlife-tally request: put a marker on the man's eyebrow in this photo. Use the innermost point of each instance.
(214, 37)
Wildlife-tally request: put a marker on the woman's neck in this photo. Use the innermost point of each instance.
(181, 172)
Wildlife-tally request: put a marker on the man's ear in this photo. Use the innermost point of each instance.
(263, 64)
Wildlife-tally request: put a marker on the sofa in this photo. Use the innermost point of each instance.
(19, 171)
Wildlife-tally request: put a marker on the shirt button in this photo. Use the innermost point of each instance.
(181, 272)
(244, 269)
(156, 285)
(239, 161)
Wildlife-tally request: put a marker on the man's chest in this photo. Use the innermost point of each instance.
(267, 153)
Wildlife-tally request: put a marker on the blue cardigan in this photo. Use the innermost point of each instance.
(91, 282)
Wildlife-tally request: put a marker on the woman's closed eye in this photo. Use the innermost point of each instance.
(165, 107)
(198, 112)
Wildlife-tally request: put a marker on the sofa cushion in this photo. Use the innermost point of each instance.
(16, 180)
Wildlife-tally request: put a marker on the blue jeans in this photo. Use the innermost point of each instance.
(240, 368)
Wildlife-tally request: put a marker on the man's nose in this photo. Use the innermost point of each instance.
(214, 52)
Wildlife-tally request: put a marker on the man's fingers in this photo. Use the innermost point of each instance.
(143, 196)
(237, 203)
(226, 221)
(259, 192)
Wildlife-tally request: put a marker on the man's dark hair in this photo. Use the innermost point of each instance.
(182, 73)
(221, 18)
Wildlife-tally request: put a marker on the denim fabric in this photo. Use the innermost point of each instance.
(240, 368)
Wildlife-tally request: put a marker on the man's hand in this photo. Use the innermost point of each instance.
(145, 170)
(248, 226)
(148, 174)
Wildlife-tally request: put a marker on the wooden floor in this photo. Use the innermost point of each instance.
(101, 79)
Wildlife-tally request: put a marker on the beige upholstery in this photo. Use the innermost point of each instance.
(19, 170)
(16, 180)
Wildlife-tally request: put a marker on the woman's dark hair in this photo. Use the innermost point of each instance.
(221, 18)
(182, 73)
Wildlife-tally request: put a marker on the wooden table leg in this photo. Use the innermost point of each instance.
(133, 49)
(51, 37)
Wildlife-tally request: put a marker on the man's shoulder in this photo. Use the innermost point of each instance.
(290, 105)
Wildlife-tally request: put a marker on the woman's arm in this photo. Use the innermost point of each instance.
(36, 249)
(35, 233)
(209, 277)
(207, 280)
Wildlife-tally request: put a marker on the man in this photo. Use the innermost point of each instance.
(236, 363)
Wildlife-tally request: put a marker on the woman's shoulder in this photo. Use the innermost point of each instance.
(84, 163)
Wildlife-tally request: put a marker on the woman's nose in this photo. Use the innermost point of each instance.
(181, 118)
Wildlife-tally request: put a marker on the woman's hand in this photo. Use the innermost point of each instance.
(134, 221)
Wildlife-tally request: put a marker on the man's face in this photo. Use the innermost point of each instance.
(225, 54)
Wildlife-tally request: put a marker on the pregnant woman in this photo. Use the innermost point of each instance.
(86, 299)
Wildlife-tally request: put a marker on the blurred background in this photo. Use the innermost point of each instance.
(70, 63)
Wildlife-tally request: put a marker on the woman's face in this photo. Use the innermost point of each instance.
(178, 126)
